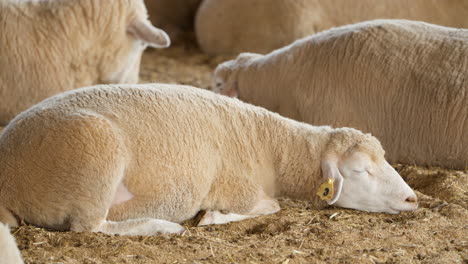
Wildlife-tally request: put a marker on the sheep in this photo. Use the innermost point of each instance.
(139, 159)
(50, 47)
(9, 252)
(405, 82)
(260, 26)
(173, 16)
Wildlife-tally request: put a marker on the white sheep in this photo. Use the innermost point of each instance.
(9, 252)
(173, 16)
(127, 159)
(405, 82)
(233, 26)
(48, 47)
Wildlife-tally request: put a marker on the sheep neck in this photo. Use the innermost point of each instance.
(297, 149)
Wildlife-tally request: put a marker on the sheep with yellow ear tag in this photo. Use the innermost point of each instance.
(144, 163)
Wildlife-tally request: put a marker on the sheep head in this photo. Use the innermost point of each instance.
(225, 75)
(124, 46)
(362, 178)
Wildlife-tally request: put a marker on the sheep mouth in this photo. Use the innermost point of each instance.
(393, 211)
(404, 209)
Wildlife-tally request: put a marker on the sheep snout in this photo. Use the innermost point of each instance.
(412, 199)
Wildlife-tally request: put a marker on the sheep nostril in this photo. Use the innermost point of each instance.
(412, 199)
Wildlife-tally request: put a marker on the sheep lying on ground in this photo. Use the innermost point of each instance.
(116, 158)
(405, 82)
(233, 26)
(48, 47)
(9, 253)
(173, 16)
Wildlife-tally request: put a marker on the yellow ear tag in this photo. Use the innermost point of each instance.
(326, 191)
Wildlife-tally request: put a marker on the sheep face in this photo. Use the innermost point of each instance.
(223, 80)
(123, 60)
(125, 65)
(225, 75)
(366, 182)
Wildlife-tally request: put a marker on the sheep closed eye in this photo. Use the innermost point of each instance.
(361, 171)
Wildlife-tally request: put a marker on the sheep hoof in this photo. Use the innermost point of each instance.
(171, 228)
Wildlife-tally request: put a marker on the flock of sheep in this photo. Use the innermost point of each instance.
(134, 159)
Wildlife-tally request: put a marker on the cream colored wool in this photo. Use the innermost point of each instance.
(233, 26)
(9, 252)
(48, 47)
(405, 82)
(177, 149)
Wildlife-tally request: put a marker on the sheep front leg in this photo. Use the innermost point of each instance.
(139, 227)
(263, 207)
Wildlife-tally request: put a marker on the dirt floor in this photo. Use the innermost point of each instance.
(435, 233)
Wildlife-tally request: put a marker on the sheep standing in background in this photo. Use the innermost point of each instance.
(137, 153)
(48, 47)
(9, 252)
(233, 26)
(405, 82)
(173, 16)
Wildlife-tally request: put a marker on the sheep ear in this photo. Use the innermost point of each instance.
(331, 172)
(144, 31)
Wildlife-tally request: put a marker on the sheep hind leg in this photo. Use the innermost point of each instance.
(100, 177)
(136, 226)
(263, 207)
(93, 218)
